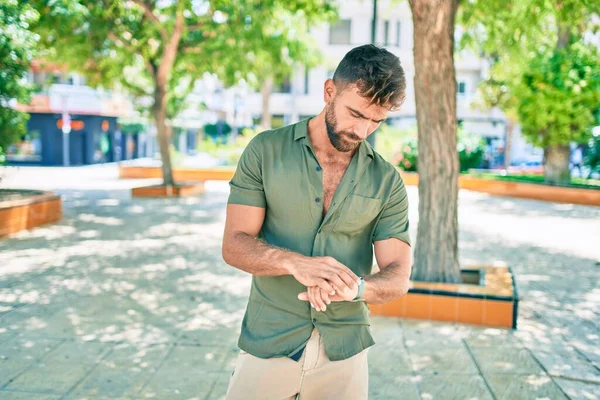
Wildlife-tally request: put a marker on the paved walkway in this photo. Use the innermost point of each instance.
(129, 299)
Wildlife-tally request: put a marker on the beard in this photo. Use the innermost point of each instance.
(343, 141)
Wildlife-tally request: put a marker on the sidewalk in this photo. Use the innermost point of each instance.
(129, 299)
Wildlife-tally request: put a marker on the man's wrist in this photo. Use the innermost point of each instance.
(361, 289)
(289, 264)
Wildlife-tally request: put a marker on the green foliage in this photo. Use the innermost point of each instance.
(228, 153)
(135, 127)
(592, 154)
(408, 155)
(470, 149)
(390, 138)
(17, 49)
(559, 94)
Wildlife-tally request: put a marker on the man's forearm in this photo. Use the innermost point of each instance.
(389, 283)
(256, 257)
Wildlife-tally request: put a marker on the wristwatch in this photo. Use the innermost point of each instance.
(361, 289)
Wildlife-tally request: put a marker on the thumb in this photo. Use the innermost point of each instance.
(303, 296)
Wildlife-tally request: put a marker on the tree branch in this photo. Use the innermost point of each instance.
(148, 13)
(195, 26)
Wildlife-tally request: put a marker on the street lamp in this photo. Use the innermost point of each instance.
(66, 129)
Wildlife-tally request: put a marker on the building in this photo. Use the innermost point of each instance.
(71, 123)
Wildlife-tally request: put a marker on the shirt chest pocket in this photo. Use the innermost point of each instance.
(356, 214)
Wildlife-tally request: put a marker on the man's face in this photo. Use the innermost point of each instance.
(350, 118)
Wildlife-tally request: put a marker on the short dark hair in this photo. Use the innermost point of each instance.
(376, 72)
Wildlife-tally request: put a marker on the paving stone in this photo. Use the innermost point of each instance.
(219, 389)
(509, 387)
(188, 371)
(389, 359)
(7, 395)
(507, 360)
(18, 353)
(453, 387)
(383, 387)
(61, 369)
(455, 360)
(122, 373)
(578, 390)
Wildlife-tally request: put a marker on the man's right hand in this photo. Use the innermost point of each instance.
(325, 272)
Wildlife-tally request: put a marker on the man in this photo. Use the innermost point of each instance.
(308, 202)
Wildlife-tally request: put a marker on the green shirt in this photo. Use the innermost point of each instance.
(279, 172)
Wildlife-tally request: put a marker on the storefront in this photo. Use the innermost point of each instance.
(92, 139)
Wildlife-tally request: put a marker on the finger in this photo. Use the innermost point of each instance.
(324, 298)
(311, 296)
(303, 296)
(337, 282)
(347, 270)
(349, 281)
(317, 300)
(325, 285)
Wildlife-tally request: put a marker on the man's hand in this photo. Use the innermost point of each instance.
(326, 273)
(319, 299)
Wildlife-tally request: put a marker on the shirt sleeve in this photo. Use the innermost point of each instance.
(393, 222)
(247, 184)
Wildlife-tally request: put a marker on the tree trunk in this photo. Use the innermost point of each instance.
(556, 166)
(266, 90)
(510, 129)
(436, 252)
(163, 134)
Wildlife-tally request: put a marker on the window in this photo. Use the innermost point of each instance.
(339, 33)
(462, 87)
(398, 30)
(386, 33)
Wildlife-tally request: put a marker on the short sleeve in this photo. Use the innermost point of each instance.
(393, 222)
(247, 184)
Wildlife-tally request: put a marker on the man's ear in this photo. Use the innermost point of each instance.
(329, 90)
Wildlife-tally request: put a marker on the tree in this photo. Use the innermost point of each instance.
(150, 46)
(544, 44)
(17, 49)
(436, 252)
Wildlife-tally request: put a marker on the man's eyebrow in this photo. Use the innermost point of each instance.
(363, 116)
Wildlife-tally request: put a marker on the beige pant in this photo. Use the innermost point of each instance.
(313, 377)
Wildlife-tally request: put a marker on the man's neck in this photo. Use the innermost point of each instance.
(317, 134)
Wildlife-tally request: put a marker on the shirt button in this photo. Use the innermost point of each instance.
(319, 169)
(318, 199)
(314, 320)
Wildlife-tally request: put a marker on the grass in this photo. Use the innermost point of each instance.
(539, 179)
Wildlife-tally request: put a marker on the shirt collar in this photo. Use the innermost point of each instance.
(301, 132)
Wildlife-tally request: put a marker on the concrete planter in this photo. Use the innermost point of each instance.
(179, 190)
(555, 194)
(488, 296)
(29, 210)
(179, 174)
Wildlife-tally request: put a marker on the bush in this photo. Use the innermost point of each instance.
(470, 150)
(228, 153)
(470, 147)
(592, 155)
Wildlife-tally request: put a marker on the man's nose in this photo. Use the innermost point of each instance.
(363, 128)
